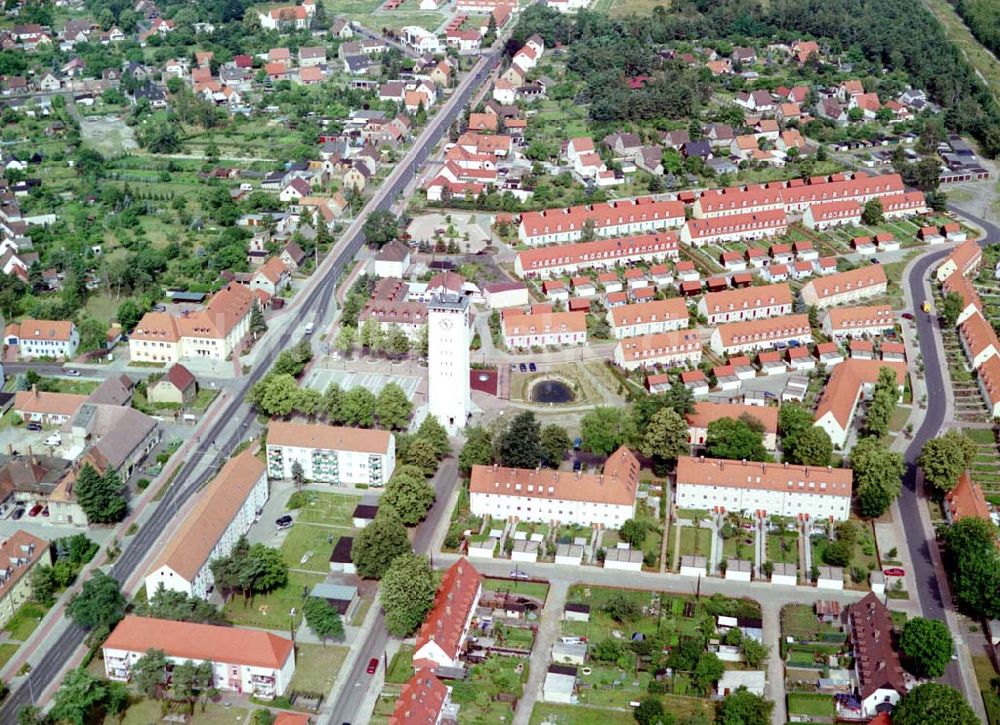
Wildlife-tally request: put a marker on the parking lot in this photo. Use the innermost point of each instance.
(320, 378)
(427, 227)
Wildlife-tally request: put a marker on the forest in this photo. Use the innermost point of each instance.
(898, 35)
(983, 18)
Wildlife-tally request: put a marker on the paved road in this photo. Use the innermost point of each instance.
(236, 417)
(924, 572)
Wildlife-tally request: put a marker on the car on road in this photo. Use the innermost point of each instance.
(284, 522)
(54, 440)
(73, 373)
(35, 510)
(523, 368)
(372, 666)
(907, 315)
(34, 426)
(874, 260)
(518, 574)
(532, 367)
(894, 571)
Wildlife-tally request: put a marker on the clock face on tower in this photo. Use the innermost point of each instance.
(444, 323)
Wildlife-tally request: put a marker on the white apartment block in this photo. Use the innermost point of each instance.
(57, 339)
(330, 454)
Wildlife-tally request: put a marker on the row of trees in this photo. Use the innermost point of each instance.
(520, 443)
(249, 569)
(393, 341)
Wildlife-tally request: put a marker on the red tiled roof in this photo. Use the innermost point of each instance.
(455, 598)
(553, 221)
(967, 500)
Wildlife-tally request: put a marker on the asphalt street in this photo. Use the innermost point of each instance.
(227, 430)
(924, 572)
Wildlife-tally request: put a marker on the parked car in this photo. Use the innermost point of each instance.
(518, 574)
(532, 367)
(907, 315)
(34, 426)
(372, 666)
(18, 513)
(523, 368)
(283, 522)
(73, 373)
(35, 510)
(54, 440)
(577, 466)
(894, 571)
(45, 512)
(577, 442)
(874, 260)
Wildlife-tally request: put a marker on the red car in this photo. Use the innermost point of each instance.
(372, 666)
(894, 571)
(35, 509)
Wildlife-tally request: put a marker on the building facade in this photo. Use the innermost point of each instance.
(448, 385)
(330, 454)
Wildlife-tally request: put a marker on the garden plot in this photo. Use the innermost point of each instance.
(985, 468)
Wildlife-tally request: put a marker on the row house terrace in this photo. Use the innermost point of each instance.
(979, 340)
(904, 205)
(845, 287)
(971, 303)
(842, 323)
(736, 227)
(851, 382)
(749, 303)
(521, 330)
(663, 348)
(861, 189)
(600, 254)
(738, 337)
(613, 218)
(832, 214)
(737, 200)
(964, 259)
(646, 318)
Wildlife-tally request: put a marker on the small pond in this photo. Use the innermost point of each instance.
(551, 391)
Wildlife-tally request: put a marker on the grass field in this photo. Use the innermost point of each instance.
(317, 666)
(575, 715)
(531, 589)
(273, 611)
(401, 666)
(144, 712)
(328, 509)
(984, 674)
(800, 703)
(312, 543)
(25, 620)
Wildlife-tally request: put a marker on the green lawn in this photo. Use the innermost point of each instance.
(312, 543)
(801, 703)
(316, 667)
(531, 589)
(6, 652)
(145, 712)
(273, 611)
(789, 553)
(401, 666)
(329, 509)
(984, 675)
(575, 715)
(983, 436)
(24, 621)
(696, 541)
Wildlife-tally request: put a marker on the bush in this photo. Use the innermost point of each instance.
(142, 484)
(298, 499)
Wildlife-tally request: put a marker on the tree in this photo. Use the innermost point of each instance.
(605, 429)
(973, 565)
(422, 455)
(323, 619)
(621, 608)
(745, 708)
(379, 543)
(372, 336)
(521, 443)
(393, 408)
(81, 698)
(189, 681)
(933, 703)
(275, 394)
(149, 673)
(380, 228)
(666, 436)
(878, 476)
(347, 336)
(410, 496)
(43, 585)
(872, 213)
(99, 605)
(926, 646)
(951, 307)
(407, 593)
(650, 712)
(180, 607)
(477, 451)
(885, 395)
(555, 443)
(838, 553)
(736, 439)
(250, 569)
(708, 671)
(128, 315)
(100, 496)
(634, 532)
(258, 326)
(397, 343)
(358, 407)
(945, 458)
(813, 447)
(298, 475)
(434, 432)
(755, 653)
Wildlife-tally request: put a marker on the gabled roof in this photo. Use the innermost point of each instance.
(421, 700)
(180, 377)
(876, 660)
(455, 598)
(844, 386)
(780, 477)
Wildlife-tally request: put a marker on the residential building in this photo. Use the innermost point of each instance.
(971, 303)
(705, 413)
(392, 260)
(246, 661)
(845, 288)
(832, 214)
(19, 555)
(543, 329)
(442, 635)
(214, 332)
(500, 295)
(33, 339)
(850, 383)
(608, 219)
(223, 513)
(782, 489)
(112, 437)
(880, 678)
(734, 227)
(678, 347)
(737, 337)
(555, 261)
(861, 189)
(178, 386)
(271, 277)
(330, 454)
(736, 200)
(964, 259)
(749, 303)
(46, 408)
(966, 500)
(589, 499)
(424, 700)
(979, 340)
(842, 323)
(647, 318)
(988, 379)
